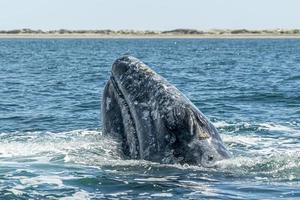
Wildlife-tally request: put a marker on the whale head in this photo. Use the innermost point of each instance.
(154, 120)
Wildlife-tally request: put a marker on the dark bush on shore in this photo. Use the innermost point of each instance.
(13, 32)
(296, 31)
(239, 31)
(184, 31)
(64, 31)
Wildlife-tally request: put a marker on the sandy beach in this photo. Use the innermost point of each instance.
(144, 36)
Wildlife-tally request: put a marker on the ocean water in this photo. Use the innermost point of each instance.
(51, 146)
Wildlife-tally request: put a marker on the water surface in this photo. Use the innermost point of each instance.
(51, 145)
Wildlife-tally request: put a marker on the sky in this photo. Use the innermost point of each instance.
(149, 14)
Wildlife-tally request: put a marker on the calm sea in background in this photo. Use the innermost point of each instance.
(51, 145)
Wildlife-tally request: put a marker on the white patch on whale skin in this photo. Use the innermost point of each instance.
(108, 101)
(146, 114)
(155, 114)
(166, 87)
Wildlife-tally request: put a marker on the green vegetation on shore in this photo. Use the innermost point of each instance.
(175, 32)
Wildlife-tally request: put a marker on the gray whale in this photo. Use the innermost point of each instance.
(154, 121)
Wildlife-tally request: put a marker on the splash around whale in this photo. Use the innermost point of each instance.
(154, 121)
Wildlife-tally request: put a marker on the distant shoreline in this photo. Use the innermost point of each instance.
(174, 36)
(128, 34)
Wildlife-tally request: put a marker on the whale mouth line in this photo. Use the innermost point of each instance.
(123, 103)
(117, 89)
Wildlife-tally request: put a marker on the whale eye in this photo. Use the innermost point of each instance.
(210, 158)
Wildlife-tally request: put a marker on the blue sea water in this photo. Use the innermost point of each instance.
(51, 146)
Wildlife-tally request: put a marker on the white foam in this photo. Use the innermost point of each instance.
(240, 139)
(81, 195)
(151, 179)
(51, 180)
(70, 145)
(163, 194)
(117, 194)
(143, 194)
(91, 148)
(221, 124)
(270, 126)
(277, 127)
(16, 192)
(255, 144)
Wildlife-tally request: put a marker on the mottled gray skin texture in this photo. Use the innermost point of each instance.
(154, 121)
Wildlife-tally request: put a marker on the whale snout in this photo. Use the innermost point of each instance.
(122, 65)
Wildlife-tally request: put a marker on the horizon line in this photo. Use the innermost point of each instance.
(157, 30)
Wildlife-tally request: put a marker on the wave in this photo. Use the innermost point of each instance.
(259, 156)
(278, 127)
(290, 128)
(69, 146)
